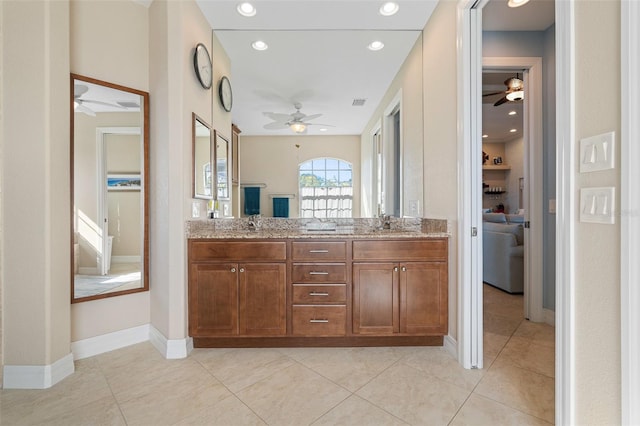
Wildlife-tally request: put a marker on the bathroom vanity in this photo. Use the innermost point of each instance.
(291, 286)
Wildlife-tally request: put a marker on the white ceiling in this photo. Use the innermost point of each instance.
(317, 56)
(106, 99)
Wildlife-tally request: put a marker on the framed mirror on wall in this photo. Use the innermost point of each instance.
(202, 163)
(221, 144)
(109, 189)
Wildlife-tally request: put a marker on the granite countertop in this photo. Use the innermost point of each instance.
(360, 228)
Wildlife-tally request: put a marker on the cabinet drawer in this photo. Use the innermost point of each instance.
(315, 293)
(319, 273)
(319, 250)
(401, 250)
(319, 320)
(237, 250)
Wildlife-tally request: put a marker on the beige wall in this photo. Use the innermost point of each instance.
(110, 42)
(597, 256)
(274, 161)
(35, 182)
(409, 81)
(440, 133)
(514, 154)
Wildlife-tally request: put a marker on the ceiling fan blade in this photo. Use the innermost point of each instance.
(276, 126)
(492, 94)
(319, 124)
(311, 117)
(275, 116)
(89, 101)
(79, 90)
(83, 109)
(501, 101)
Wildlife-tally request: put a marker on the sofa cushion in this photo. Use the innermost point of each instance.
(507, 228)
(515, 218)
(494, 217)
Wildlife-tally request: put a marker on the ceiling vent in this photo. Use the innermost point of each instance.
(358, 102)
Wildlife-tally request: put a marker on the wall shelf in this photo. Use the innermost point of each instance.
(496, 167)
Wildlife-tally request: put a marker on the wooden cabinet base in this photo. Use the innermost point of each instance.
(294, 342)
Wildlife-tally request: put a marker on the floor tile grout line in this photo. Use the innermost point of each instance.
(113, 395)
(510, 407)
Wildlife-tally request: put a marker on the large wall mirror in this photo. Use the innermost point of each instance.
(202, 159)
(109, 189)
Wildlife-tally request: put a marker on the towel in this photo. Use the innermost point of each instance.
(251, 200)
(280, 207)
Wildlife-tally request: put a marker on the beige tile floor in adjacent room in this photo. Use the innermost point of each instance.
(302, 386)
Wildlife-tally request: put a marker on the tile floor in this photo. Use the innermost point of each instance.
(302, 386)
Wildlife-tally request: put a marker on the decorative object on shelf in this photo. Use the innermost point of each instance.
(485, 158)
(203, 66)
(225, 94)
(497, 160)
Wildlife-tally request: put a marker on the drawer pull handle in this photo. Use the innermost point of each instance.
(318, 251)
(318, 293)
(318, 273)
(317, 321)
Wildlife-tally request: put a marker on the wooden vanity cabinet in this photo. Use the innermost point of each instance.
(239, 290)
(319, 275)
(392, 295)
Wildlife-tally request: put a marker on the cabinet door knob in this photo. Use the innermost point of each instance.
(395, 269)
(233, 269)
(241, 269)
(404, 269)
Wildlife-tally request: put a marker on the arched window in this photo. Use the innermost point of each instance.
(326, 188)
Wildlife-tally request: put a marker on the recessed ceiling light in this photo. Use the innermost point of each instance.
(485, 136)
(389, 8)
(323, 129)
(259, 45)
(512, 112)
(375, 45)
(517, 3)
(246, 9)
(513, 130)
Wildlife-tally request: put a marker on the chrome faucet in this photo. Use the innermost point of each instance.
(254, 222)
(385, 221)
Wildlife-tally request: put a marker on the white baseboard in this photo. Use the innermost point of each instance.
(170, 348)
(85, 270)
(450, 345)
(549, 317)
(109, 342)
(125, 259)
(37, 376)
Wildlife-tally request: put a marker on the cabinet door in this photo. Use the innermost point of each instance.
(375, 298)
(423, 298)
(262, 299)
(213, 298)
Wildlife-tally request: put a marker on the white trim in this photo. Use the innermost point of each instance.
(170, 348)
(630, 216)
(533, 293)
(565, 214)
(126, 259)
(549, 317)
(469, 42)
(108, 342)
(37, 376)
(450, 345)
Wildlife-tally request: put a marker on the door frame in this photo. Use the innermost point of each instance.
(630, 218)
(469, 27)
(533, 134)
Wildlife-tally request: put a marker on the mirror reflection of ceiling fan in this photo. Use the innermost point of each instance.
(296, 121)
(514, 92)
(79, 102)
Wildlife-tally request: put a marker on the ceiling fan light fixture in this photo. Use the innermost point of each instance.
(246, 9)
(375, 45)
(298, 127)
(517, 3)
(389, 8)
(518, 95)
(259, 45)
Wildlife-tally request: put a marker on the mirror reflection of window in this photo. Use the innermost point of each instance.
(202, 159)
(326, 188)
(109, 148)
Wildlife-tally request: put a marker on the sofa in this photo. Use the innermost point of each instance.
(503, 251)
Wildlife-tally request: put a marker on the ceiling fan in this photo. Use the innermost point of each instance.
(296, 121)
(78, 101)
(514, 92)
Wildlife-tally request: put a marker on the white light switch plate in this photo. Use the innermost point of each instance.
(596, 152)
(597, 205)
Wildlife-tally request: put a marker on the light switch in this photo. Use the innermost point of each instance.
(596, 152)
(552, 206)
(597, 205)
